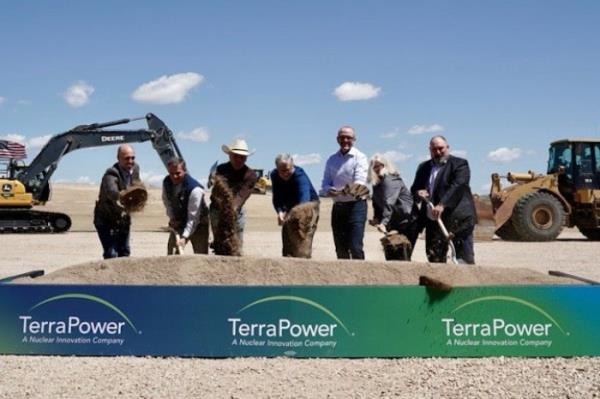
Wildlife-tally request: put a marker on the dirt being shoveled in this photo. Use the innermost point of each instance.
(221, 270)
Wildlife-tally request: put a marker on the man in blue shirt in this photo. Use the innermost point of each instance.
(292, 187)
(348, 166)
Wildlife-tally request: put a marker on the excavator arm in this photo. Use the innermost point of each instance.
(35, 177)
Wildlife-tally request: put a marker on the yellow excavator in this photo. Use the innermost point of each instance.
(535, 207)
(23, 186)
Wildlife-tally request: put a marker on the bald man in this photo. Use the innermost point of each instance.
(111, 220)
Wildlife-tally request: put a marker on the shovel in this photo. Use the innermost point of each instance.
(178, 250)
(444, 232)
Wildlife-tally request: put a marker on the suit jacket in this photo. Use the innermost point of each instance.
(451, 189)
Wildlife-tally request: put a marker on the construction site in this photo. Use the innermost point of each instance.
(74, 258)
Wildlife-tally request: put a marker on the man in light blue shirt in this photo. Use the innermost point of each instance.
(349, 215)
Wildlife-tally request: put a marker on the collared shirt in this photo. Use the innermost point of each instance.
(435, 168)
(342, 169)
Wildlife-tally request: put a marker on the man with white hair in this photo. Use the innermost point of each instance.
(292, 187)
(240, 179)
(348, 166)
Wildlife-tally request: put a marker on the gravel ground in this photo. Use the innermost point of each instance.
(130, 377)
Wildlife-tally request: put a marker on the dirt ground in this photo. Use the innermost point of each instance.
(46, 376)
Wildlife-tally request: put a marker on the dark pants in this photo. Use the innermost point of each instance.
(348, 224)
(115, 241)
(436, 244)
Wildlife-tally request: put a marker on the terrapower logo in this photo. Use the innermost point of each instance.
(272, 329)
(526, 324)
(45, 326)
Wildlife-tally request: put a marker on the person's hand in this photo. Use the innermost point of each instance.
(281, 218)
(333, 192)
(182, 242)
(373, 222)
(423, 194)
(381, 228)
(174, 224)
(436, 211)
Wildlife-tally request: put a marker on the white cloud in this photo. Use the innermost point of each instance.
(306, 159)
(78, 94)
(423, 158)
(353, 91)
(420, 129)
(152, 179)
(200, 134)
(79, 180)
(397, 156)
(390, 134)
(14, 137)
(2, 100)
(24, 102)
(38, 142)
(459, 153)
(504, 154)
(35, 142)
(167, 89)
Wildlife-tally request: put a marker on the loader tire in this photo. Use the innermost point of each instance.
(507, 232)
(538, 216)
(591, 234)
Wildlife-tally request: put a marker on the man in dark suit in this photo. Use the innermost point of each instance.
(444, 180)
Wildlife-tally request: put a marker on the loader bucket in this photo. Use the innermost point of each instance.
(486, 226)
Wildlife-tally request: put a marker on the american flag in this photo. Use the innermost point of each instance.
(10, 149)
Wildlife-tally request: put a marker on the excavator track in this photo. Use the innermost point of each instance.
(19, 220)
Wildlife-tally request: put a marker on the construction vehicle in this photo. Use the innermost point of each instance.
(536, 207)
(27, 185)
(263, 184)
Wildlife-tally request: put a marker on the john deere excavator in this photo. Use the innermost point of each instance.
(27, 185)
(536, 207)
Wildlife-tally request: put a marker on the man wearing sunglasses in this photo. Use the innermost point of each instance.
(111, 219)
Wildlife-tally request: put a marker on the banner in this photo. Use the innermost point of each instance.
(299, 321)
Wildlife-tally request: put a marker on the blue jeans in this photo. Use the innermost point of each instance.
(115, 242)
(348, 224)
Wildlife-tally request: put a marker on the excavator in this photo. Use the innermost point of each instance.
(24, 186)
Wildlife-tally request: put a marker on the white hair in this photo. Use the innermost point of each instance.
(388, 168)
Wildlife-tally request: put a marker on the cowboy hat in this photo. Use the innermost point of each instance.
(238, 146)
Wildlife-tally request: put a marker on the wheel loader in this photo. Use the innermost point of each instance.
(263, 184)
(536, 207)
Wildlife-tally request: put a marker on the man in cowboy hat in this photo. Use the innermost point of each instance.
(240, 179)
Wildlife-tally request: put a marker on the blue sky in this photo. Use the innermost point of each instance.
(500, 79)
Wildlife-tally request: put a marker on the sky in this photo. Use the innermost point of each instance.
(499, 79)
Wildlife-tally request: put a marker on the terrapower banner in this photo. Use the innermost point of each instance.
(302, 321)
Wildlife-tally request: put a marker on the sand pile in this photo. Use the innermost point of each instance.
(221, 270)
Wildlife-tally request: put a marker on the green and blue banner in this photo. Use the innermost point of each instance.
(299, 321)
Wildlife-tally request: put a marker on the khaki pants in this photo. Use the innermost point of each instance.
(198, 239)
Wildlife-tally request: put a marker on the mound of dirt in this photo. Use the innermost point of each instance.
(221, 270)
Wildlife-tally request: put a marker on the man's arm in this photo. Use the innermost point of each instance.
(327, 182)
(193, 212)
(303, 186)
(167, 204)
(458, 184)
(360, 169)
